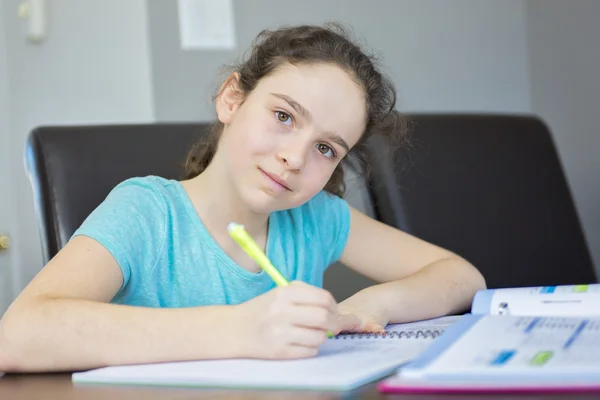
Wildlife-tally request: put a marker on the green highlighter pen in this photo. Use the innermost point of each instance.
(245, 241)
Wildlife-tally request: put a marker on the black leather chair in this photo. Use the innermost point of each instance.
(73, 168)
(488, 187)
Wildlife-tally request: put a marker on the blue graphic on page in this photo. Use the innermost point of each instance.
(532, 324)
(575, 334)
(548, 289)
(503, 357)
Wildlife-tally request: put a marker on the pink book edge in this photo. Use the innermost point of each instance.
(389, 387)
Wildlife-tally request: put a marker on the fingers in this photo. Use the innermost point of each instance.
(305, 294)
(373, 328)
(314, 318)
(306, 337)
(352, 323)
(347, 323)
(300, 342)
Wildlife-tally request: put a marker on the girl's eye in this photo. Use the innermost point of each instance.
(284, 117)
(326, 150)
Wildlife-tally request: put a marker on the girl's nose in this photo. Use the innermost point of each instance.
(293, 156)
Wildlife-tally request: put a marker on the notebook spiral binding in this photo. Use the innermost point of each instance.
(429, 333)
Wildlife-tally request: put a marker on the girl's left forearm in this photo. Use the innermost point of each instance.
(444, 287)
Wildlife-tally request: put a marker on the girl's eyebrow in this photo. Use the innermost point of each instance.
(294, 104)
(334, 137)
(300, 109)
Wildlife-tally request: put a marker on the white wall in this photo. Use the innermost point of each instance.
(94, 67)
(7, 214)
(564, 55)
(460, 55)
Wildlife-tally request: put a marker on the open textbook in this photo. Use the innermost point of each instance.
(515, 340)
(344, 362)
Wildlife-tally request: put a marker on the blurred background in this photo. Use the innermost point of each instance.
(68, 62)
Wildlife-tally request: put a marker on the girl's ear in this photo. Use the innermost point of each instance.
(229, 99)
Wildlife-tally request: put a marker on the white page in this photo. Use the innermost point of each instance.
(498, 346)
(564, 300)
(341, 364)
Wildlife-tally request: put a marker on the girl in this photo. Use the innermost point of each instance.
(152, 274)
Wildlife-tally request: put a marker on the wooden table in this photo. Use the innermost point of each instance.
(59, 386)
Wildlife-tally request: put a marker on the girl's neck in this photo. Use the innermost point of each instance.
(217, 204)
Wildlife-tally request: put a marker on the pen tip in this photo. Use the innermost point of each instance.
(232, 226)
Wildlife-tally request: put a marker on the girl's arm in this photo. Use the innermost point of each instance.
(62, 321)
(418, 279)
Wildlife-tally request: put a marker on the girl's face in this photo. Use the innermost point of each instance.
(283, 141)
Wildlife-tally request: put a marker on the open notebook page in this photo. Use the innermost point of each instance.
(341, 364)
(523, 354)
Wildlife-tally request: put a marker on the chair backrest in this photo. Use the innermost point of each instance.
(73, 168)
(490, 188)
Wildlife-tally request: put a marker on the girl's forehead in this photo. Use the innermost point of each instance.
(305, 72)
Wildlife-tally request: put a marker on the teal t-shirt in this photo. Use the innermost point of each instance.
(169, 259)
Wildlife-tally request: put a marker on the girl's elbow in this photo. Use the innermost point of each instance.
(468, 275)
(476, 278)
(9, 352)
(7, 363)
(15, 340)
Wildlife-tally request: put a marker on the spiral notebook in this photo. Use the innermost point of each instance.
(344, 362)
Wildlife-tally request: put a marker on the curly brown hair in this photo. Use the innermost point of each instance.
(309, 44)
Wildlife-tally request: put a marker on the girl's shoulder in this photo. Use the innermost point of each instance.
(145, 184)
(146, 191)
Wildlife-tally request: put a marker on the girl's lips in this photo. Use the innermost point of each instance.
(282, 183)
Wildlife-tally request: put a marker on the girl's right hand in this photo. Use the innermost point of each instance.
(287, 322)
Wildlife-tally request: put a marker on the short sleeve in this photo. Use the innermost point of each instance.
(130, 224)
(333, 220)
